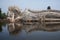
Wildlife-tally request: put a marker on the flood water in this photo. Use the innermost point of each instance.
(29, 31)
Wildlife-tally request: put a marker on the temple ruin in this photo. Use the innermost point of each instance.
(14, 13)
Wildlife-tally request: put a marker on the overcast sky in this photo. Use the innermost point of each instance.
(31, 4)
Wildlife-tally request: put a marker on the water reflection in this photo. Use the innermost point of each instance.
(29, 31)
(1, 24)
(41, 27)
(15, 28)
(0, 28)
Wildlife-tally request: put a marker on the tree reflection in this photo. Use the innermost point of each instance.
(2, 24)
(0, 27)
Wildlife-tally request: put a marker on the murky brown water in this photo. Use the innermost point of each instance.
(29, 31)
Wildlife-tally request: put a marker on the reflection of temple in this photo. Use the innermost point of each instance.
(14, 28)
(35, 26)
(41, 27)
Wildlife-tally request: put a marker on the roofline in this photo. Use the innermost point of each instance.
(44, 11)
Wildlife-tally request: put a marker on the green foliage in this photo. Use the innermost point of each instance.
(0, 10)
(2, 15)
(48, 7)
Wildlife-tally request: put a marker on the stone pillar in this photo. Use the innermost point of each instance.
(13, 20)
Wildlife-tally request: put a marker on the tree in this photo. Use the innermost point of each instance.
(4, 15)
(0, 13)
(0, 10)
(48, 7)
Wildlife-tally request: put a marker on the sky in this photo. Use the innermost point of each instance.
(30, 4)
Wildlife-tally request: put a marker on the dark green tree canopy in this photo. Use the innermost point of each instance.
(2, 15)
(0, 10)
(48, 7)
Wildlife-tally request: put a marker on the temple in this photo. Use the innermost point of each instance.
(15, 14)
